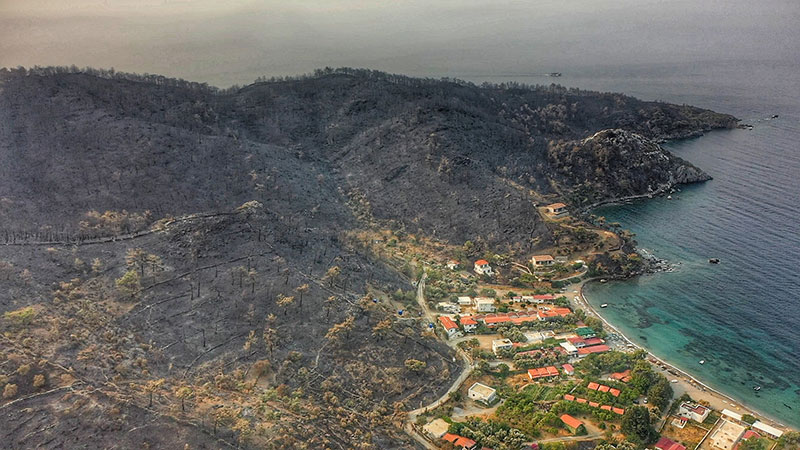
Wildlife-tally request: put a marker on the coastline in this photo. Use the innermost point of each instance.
(686, 381)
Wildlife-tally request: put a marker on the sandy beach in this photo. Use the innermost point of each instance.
(686, 383)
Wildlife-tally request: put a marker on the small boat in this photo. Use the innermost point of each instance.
(604, 305)
(714, 260)
(669, 197)
(702, 361)
(604, 280)
(775, 116)
(757, 388)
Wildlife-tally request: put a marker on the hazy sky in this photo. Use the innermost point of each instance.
(234, 41)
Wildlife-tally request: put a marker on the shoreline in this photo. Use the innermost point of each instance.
(689, 383)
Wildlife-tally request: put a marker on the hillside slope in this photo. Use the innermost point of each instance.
(245, 312)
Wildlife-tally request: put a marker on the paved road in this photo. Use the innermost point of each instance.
(466, 369)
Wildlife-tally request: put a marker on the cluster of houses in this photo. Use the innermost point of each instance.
(437, 429)
(614, 409)
(603, 388)
(491, 320)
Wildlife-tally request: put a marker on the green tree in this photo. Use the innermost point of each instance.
(129, 284)
(660, 393)
(636, 424)
(415, 365)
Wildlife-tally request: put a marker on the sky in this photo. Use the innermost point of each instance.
(234, 41)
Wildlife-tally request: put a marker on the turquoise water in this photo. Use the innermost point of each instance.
(741, 316)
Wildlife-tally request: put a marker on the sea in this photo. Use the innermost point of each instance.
(741, 316)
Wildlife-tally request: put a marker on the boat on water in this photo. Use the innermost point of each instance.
(604, 305)
(669, 197)
(714, 260)
(757, 388)
(604, 280)
(702, 361)
(554, 74)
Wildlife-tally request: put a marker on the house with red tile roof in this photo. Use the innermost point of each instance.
(621, 376)
(747, 435)
(592, 386)
(572, 423)
(568, 369)
(459, 441)
(593, 349)
(603, 388)
(606, 407)
(582, 400)
(615, 392)
(668, 444)
(594, 404)
(468, 323)
(569, 397)
(449, 326)
(542, 372)
(482, 267)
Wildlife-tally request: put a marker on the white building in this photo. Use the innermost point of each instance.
(482, 267)
(469, 324)
(501, 344)
(698, 413)
(482, 392)
(448, 307)
(485, 304)
(773, 432)
(569, 348)
(449, 326)
(556, 209)
(542, 261)
(465, 301)
(452, 264)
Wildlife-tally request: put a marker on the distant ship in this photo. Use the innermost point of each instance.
(604, 305)
(554, 74)
(714, 260)
(702, 361)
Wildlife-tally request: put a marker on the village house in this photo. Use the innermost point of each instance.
(448, 307)
(483, 393)
(556, 209)
(621, 376)
(747, 435)
(569, 349)
(540, 261)
(459, 442)
(501, 344)
(769, 430)
(668, 444)
(469, 324)
(485, 304)
(449, 326)
(585, 351)
(465, 301)
(542, 372)
(698, 413)
(452, 264)
(437, 428)
(568, 369)
(482, 267)
(572, 423)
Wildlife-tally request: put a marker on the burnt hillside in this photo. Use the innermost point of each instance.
(182, 258)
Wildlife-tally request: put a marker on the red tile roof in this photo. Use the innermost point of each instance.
(582, 400)
(459, 441)
(668, 444)
(544, 297)
(556, 205)
(569, 397)
(594, 404)
(568, 368)
(542, 372)
(614, 392)
(603, 388)
(481, 262)
(619, 411)
(593, 341)
(467, 321)
(593, 386)
(606, 407)
(593, 349)
(543, 258)
(571, 421)
(447, 323)
(622, 376)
